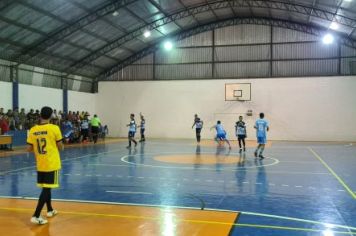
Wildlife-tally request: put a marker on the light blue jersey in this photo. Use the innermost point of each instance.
(261, 128)
(132, 127)
(220, 132)
(220, 129)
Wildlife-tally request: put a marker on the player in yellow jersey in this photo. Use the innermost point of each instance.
(45, 141)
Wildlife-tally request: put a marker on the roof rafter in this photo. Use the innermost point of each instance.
(314, 30)
(286, 6)
(73, 27)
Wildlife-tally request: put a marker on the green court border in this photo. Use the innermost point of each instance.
(341, 181)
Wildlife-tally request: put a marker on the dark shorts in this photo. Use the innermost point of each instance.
(241, 136)
(131, 134)
(198, 130)
(142, 131)
(85, 132)
(95, 129)
(48, 179)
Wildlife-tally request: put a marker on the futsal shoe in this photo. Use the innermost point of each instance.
(261, 157)
(240, 150)
(38, 220)
(52, 213)
(255, 154)
(244, 149)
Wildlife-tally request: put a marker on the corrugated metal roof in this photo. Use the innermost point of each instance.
(80, 29)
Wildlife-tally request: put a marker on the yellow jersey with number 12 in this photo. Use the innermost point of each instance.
(43, 139)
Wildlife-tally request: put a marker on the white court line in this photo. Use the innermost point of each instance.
(71, 159)
(128, 192)
(225, 169)
(196, 208)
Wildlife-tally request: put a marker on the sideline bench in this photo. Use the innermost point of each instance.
(6, 140)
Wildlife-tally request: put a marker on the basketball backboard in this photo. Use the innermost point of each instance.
(238, 92)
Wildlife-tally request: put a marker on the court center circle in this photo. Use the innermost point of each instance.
(226, 164)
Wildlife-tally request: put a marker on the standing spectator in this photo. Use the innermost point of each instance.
(30, 119)
(82, 115)
(37, 117)
(16, 118)
(10, 119)
(45, 140)
(70, 116)
(60, 117)
(55, 119)
(4, 126)
(95, 125)
(84, 129)
(22, 118)
(1, 111)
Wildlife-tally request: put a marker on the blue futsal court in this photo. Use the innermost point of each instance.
(299, 189)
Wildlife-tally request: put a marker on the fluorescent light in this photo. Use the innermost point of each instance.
(115, 13)
(328, 39)
(147, 34)
(334, 26)
(168, 45)
(348, 0)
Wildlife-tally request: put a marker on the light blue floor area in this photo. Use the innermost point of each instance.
(290, 182)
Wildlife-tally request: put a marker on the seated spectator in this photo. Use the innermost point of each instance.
(67, 131)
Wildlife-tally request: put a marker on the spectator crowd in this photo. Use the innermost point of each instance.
(75, 126)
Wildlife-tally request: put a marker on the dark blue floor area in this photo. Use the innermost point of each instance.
(291, 182)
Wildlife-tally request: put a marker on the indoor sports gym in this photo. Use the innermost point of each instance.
(177, 117)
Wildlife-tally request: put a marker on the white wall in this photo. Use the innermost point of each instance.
(320, 109)
(5, 95)
(78, 101)
(36, 97)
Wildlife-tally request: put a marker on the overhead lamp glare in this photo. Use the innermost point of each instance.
(147, 34)
(334, 26)
(328, 39)
(168, 45)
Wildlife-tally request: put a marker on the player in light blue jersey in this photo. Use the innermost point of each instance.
(261, 127)
(132, 130)
(220, 133)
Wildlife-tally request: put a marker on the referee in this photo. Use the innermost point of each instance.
(95, 127)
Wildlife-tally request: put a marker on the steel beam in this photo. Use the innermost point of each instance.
(286, 6)
(76, 25)
(235, 21)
